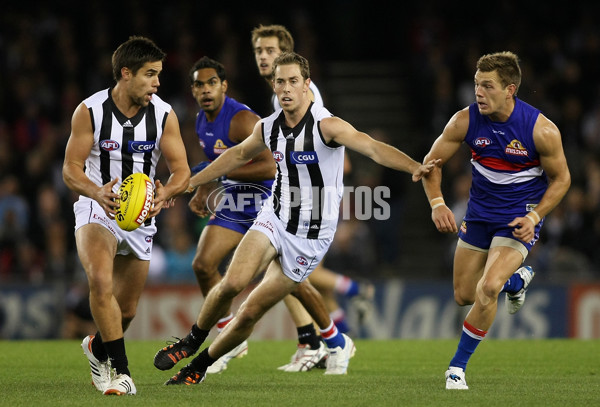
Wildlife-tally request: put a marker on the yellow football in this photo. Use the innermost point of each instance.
(135, 201)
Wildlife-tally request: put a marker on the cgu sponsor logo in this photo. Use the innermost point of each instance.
(147, 204)
(141, 146)
(304, 157)
(109, 145)
(482, 142)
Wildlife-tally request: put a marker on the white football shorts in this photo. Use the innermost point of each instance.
(138, 242)
(298, 256)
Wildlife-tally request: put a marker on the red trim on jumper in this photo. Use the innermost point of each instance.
(503, 165)
(474, 330)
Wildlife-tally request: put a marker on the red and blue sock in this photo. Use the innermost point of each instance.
(470, 338)
(346, 286)
(332, 337)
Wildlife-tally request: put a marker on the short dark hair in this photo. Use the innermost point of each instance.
(133, 54)
(206, 62)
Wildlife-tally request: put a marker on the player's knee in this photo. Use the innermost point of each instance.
(246, 318)
(488, 288)
(229, 288)
(461, 299)
(463, 296)
(203, 269)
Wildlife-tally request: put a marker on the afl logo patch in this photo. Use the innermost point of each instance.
(482, 142)
(278, 156)
(109, 145)
(301, 260)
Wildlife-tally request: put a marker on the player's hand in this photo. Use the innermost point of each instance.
(203, 202)
(443, 218)
(108, 200)
(425, 169)
(160, 200)
(524, 229)
(198, 205)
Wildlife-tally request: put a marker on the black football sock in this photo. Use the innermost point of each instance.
(98, 348)
(202, 361)
(118, 358)
(308, 336)
(197, 336)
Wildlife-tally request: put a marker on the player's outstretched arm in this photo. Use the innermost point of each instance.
(342, 132)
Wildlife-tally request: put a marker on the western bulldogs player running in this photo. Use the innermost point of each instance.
(296, 226)
(520, 174)
(116, 132)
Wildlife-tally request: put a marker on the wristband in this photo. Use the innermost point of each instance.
(534, 217)
(436, 202)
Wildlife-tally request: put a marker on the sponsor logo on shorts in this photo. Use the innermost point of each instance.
(105, 222)
(296, 271)
(148, 239)
(266, 225)
(463, 227)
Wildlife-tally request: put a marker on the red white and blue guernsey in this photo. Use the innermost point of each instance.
(241, 200)
(508, 180)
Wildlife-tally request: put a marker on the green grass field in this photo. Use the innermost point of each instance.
(383, 373)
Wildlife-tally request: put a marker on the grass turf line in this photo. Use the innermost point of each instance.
(553, 372)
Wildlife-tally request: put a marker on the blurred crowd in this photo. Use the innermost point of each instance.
(53, 57)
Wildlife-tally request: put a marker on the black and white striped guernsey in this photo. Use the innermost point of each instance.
(124, 145)
(308, 186)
